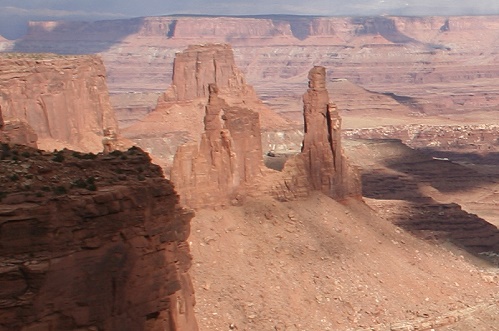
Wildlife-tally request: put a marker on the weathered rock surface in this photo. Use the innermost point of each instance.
(178, 117)
(321, 165)
(63, 98)
(91, 242)
(464, 138)
(227, 164)
(17, 132)
(447, 61)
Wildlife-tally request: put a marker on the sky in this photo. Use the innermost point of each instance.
(14, 14)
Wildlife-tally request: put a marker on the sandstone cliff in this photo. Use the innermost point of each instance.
(63, 98)
(178, 117)
(227, 164)
(321, 165)
(414, 56)
(17, 132)
(91, 242)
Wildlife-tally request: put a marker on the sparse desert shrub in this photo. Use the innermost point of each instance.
(80, 183)
(59, 190)
(89, 156)
(58, 157)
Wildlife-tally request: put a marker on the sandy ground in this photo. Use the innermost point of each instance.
(323, 265)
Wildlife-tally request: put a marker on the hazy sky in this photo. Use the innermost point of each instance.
(15, 13)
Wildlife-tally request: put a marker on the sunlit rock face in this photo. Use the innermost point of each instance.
(64, 99)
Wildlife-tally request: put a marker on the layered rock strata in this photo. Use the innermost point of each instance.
(178, 116)
(463, 138)
(91, 242)
(449, 62)
(17, 132)
(63, 98)
(227, 163)
(321, 165)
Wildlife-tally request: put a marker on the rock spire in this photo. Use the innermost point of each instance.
(321, 165)
(227, 162)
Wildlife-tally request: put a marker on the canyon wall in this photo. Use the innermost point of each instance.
(63, 98)
(91, 242)
(448, 61)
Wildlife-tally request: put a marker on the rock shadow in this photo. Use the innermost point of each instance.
(70, 37)
(397, 187)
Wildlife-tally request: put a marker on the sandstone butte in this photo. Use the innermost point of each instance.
(64, 99)
(227, 165)
(435, 59)
(91, 242)
(178, 116)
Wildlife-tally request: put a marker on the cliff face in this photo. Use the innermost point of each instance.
(227, 165)
(406, 55)
(228, 161)
(91, 243)
(17, 132)
(198, 66)
(178, 116)
(64, 99)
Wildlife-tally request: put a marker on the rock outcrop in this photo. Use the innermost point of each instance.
(321, 165)
(412, 56)
(178, 117)
(17, 132)
(228, 161)
(91, 242)
(63, 98)
(228, 165)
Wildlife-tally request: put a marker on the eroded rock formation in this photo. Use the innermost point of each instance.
(409, 56)
(321, 165)
(178, 117)
(227, 163)
(91, 242)
(17, 132)
(63, 98)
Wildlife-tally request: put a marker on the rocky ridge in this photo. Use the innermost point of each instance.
(87, 239)
(446, 60)
(480, 139)
(63, 98)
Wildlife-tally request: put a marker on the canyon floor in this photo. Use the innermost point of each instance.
(325, 265)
